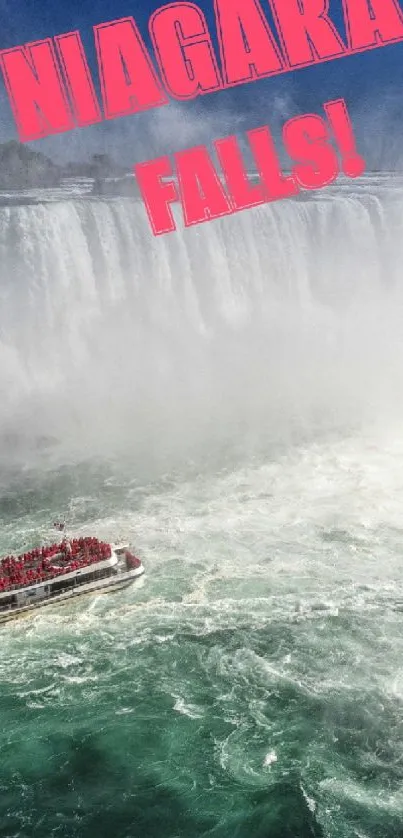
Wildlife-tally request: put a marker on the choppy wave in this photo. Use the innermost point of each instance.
(251, 685)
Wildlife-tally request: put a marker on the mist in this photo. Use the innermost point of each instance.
(256, 330)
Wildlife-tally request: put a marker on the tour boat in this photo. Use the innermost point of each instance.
(60, 572)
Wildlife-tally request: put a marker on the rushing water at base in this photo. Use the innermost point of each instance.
(251, 684)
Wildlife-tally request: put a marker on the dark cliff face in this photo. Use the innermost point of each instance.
(98, 167)
(22, 168)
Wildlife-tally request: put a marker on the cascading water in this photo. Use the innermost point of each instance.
(271, 320)
(229, 398)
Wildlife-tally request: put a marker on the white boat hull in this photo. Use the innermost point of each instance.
(106, 585)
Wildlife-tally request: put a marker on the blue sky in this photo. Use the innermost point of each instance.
(371, 84)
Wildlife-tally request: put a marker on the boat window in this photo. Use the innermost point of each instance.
(62, 585)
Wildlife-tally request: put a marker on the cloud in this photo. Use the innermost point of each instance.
(176, 126)
(379, 130)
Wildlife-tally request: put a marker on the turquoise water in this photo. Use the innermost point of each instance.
(249, 686)
(229, 399)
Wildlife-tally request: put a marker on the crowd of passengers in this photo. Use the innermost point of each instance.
(36, 566)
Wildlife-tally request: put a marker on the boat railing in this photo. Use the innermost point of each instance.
(16, 606)
(78, 581)
(47, 580)
(39, 583)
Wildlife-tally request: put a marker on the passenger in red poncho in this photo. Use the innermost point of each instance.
(131, 560)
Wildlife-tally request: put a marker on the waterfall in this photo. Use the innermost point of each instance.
(286, 316)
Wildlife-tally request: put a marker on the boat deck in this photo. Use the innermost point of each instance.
(106, 585)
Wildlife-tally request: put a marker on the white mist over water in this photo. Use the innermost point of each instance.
(273, 324)
(270, 616)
